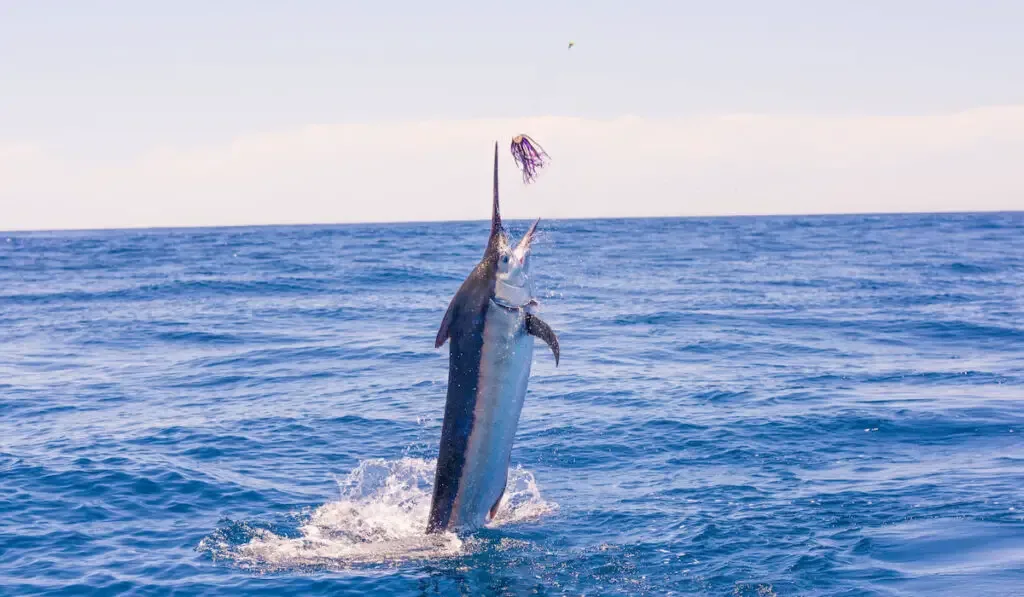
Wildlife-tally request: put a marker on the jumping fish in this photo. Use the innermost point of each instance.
(491, 324)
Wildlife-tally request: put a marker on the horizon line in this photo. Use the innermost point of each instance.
(469, 220)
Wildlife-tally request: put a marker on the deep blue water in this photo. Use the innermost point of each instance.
(744, 406)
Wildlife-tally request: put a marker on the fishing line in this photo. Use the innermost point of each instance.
(528, 155)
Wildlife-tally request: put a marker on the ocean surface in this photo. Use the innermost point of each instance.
(744, 407)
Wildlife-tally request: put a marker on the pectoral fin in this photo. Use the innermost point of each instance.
(536, 327)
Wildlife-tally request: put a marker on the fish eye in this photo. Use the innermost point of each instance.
(504, 258)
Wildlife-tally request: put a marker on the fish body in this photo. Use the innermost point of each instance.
(490, 326)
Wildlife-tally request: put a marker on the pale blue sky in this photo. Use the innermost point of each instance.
(102, 81)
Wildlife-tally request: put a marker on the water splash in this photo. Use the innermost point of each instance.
(380, 518)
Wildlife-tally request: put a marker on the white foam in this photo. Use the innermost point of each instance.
(380, 517)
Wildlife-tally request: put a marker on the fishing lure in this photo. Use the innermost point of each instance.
(529, 156)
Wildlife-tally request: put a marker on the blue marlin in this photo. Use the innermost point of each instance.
(491, 324)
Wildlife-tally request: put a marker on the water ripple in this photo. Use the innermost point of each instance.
(745, 406)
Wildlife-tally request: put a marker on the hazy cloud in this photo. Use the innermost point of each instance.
(732, 164)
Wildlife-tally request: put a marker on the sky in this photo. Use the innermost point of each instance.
(196, 113)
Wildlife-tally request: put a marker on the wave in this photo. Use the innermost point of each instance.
(380, 518)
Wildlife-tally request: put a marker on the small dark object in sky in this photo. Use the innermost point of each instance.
(529, 157)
